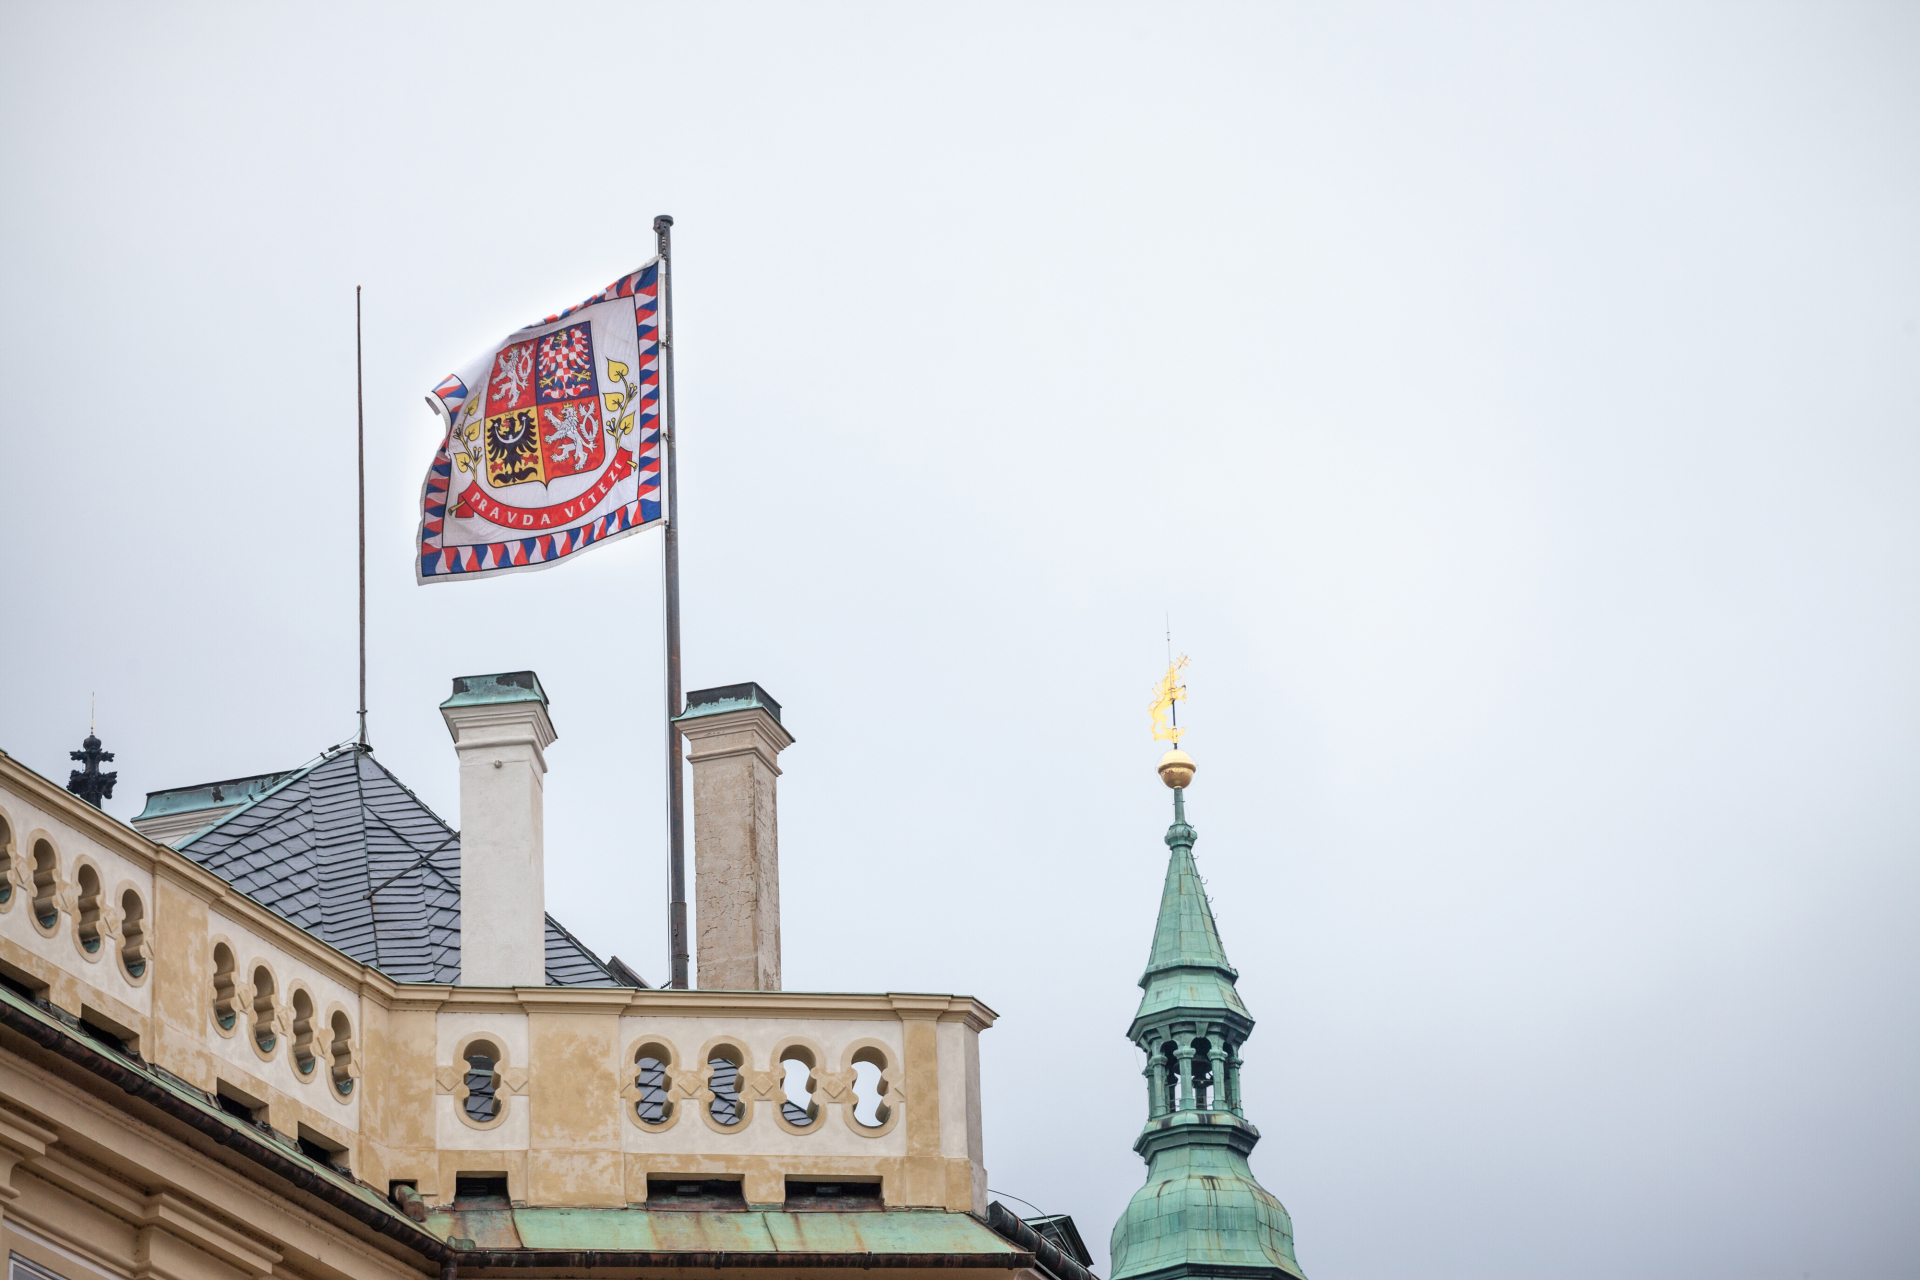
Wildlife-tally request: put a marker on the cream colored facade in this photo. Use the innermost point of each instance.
(141, 942)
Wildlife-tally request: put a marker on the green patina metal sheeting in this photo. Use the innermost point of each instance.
(1185, 935)
(506, 686)
(1187, 969)
(685, 1231)
(1201, 1213)
(1201, 1209)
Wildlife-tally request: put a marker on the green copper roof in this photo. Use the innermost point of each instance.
(209, 795)
(1187, 967)
(728, 697)
(1202, 1215)
(886, 1238)
(506, 686)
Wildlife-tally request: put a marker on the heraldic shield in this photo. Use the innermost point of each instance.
(543, 409)
(553, 440)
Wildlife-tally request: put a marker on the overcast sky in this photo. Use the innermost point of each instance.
(1516, 409)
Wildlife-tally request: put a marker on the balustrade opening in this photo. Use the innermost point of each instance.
(798, 1108)
(264, 1010)
(88, 903)
(653, 1106)
(483, 1082)
(133, 934)
(869, 1090)
(225, 996)
(304, 1058)
(725, 1084)
(46, 885)
(341, 1051)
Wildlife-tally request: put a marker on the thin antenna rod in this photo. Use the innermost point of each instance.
(91, 700)
(676, 815)
(360, 399)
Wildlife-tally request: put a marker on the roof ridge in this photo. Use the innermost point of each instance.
(293, 775)
(411, 793)
(569, 935)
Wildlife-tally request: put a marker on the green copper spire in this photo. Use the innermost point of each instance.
(1202, 1213)
(1187, 968)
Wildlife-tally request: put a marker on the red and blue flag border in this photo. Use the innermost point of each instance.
(440, 563)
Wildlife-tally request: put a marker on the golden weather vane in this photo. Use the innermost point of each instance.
(1166, 721)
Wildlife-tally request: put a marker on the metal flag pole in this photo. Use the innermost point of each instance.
(360, 399)
(676, 816)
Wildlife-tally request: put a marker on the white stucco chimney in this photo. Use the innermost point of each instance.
(735, 739)
(501, 732)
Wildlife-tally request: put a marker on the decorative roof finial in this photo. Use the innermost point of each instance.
(89, 783)
(1176, 767)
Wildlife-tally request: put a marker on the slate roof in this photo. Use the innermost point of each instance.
(345, 851)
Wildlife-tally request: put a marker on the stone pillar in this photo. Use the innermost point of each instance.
(501, 732)
(1218, 1097)
(1157, 1086)
(1183, 1054)
(735, 738)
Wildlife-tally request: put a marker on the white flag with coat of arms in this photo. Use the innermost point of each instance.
(552, 441)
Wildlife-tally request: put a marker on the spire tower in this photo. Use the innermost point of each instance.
(1202, 1213)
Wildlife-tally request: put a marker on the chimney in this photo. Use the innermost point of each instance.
(735, 738)
(501, 731)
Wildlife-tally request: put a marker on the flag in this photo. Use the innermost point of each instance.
(552, 440)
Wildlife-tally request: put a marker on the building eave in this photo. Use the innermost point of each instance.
(180, 1102)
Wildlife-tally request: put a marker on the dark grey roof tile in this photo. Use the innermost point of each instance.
(346, 851)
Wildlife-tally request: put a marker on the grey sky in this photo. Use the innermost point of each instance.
(1517, 409)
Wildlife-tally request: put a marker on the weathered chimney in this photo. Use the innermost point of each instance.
(735, 739)
(501, 732)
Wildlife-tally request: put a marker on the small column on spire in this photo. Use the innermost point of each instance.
(1217, 1060)
(1184, 1055)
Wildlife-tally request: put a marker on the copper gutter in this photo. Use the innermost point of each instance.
(1004, 1222)
(575, 1260)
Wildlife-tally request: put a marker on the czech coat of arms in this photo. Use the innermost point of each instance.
(543, 409)
(553, 439)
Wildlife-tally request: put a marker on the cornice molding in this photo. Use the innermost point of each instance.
(753, 729)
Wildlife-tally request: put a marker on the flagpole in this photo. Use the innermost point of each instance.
(360, 399)
(676, 816)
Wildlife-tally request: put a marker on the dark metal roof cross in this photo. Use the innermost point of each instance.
(89, 783)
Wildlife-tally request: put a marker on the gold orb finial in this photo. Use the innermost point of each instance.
(1177, 769)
